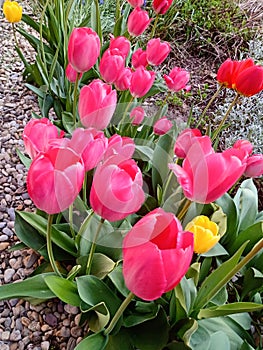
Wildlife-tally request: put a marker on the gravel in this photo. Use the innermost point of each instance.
(53, 324)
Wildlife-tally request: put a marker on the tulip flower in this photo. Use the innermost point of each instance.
(116, 191)
(97, 103)
(55, 179)
(141, 82)
(138, 21)
(244, 145)
(111, 64)
(37, 134)
(205, 233)
(137, 115)
(139, 58)
(83, 49)
(120, 145)
(121, 43)
(177, 79)
(135, 3)
(156, 254)
(157, 51)
(254, 166)
(12, 11)
(250, 81)
(206, 175)
(185, 140)
(162, 126)
(161, 6)
(71, 74)
(123, 81)
(90, 144)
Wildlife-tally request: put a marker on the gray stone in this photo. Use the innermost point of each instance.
(15, 335)
(8, 274)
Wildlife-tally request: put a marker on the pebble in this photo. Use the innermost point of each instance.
(8, 274)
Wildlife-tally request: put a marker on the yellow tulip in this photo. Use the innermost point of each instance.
(205, 233)
(12, 11)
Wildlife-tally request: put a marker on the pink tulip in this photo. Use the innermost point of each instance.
(37, 134)
(141, 82)
(250, 81)
(244, 145)
(55, 179)
(123, 81)
(162, 126)
(116, 190)
(71, 74)
(83, 49)
(161, 6)
(137, 115)
(156, 254)
(111, 64)
(254, 166)
(157, 51)
(139, 58)
(205, 176)
(138, 21)
(121, 43)
(97, 103)
(177, 79)
(120, 145)
(135, 3)
(90, 144)
(185, 140)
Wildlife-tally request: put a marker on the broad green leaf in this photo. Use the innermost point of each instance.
(95, 18)
(97, 316)
(233, 308)
(64, 289)
(97, 341)
(214, 282)
(184, 329)
(177, 346)
(24, 159)
(219, 341)
(34, 287)
(116, 276)
(144, 153)
(141, 312)
(252, 283)
(217, 250)
(67, 120)
(193, 272)
(120, 341)
(101, 265)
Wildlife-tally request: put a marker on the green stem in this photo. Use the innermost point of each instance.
(118, 314)
(126, 111)
(225, 117)
(93, 247)
(210, 102)
(154, 25)
(184, 209)
(49, 246)
(70, 218)
(75, 99)
(14, 32)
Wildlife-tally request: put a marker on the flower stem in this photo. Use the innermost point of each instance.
(119, 312)
(14, 32)
(70, 218)
(184, 209)
(75, 98)
(210, 102)
(225, 117)
(154, 25)
(49, 246)
(126, 111)
(93, 247)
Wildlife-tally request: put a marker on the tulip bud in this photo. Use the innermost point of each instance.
(139, 58)
(137, 115)
(12, 11)
(177, 79)
(250, 81)
(254, 166)
(135, 3)
(205, 233)
(141, 81)
(123, 81)
(111, 64)
(138, 21)
(157, 51)
(71, 74)
(121, 43)
(162, 126)
(161, 6)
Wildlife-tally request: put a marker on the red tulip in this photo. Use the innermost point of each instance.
(135, 3)
(245, 145)
(137, 115)
(97, 103)
(123, 81)
(37, 134)
(121, 43)
(141, 82)
(156, 254)
(250, 81)
(111, 64)
(55, 179)
(116, 190)
(120, 145)
(177, 79)
(157, 51)
(83, 49)
(254, 166)
(138, 21)
(71, 74)
(162, 126)
(205, 175)
(161, 6)
(90, 144)
(139, 58)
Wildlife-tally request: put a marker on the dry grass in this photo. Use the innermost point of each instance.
(254, 11)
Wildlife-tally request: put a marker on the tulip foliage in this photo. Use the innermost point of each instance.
(144, 225)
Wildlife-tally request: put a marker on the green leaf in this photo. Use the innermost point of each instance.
(116, 276)
(214, 282)
(24, 159)
(217, 250)
(97, 316)
(64, 289)
(102, 265)
(253, 282)
(184, 329)
(95, 18)
(67, 120)
(219, 341)
(141, 312)
(34, 287)
(233, 308)
(96, 341)
(120, 341)
(144, 153)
